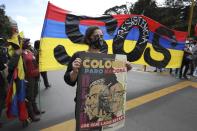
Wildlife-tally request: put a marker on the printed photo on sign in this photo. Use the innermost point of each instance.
(102, 92)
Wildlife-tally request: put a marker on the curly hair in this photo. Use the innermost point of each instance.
(90, 30)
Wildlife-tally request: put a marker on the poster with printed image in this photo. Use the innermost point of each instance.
(101, 94)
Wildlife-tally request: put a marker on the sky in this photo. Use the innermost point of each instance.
(29, 14)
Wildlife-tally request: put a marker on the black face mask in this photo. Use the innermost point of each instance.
(98, 43)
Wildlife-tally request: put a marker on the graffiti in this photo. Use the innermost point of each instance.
(72, 23)
(72, 26)
(122, 33)
(61, 55)
(157, 47)
(72, 31)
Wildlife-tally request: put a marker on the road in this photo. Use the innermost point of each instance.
(174, 111)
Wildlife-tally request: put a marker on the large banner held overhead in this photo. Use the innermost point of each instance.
(101, 92)
(141, 39)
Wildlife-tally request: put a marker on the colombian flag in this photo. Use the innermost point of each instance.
(15, 100)
(142, 39)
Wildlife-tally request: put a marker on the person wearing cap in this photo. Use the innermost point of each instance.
(11, 59)
(32, 78)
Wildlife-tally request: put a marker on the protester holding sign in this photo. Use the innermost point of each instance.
(94, 39)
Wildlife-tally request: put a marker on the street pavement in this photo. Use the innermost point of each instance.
(173, 112)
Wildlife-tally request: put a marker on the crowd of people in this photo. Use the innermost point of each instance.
(11, 54)
(189, 63)
(188, 68)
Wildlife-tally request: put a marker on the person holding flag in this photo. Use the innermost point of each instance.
(15, 99)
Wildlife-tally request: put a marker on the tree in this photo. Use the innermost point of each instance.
(171, 3)
(184, 13)
(194, 20)
(117, 10)
(146, 7)
(173, 17)
(5, 25)
(168, 14)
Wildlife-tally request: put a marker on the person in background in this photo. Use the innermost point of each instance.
(3, 74)
(191, 65)
(187, 58)
(44, 73)
(32, 78)
(15, 53)
(194, 57)
(156, 69)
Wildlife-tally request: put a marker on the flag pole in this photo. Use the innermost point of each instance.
(190, 18)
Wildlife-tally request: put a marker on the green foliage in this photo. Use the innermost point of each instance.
(117, 10)
(168, 14)
(5, 26)
(146, 7)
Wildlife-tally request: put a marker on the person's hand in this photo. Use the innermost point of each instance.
(128, 65)
(76, 65)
